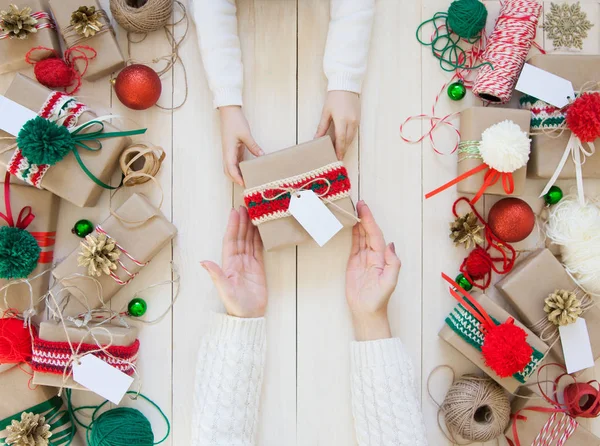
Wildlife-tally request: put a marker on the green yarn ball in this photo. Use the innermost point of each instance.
(466, 18)
(44, 142)
(122, 426)
(19, 253)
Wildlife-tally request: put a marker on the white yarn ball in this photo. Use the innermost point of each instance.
(505, 147)
(576, 229)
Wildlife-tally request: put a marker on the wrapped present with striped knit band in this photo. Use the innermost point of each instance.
(271, 179)
(58, 345)
(25, 24)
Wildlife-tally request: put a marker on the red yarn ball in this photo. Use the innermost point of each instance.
(478, 263)
(505, 349)
(583, 117)
(138, 87)
(54, 73)
(15, 341)
(511, 220)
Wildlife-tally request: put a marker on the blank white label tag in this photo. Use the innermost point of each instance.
(576, 346)
(545, 86)
(101, 378)
(13, 116)
(314, 216)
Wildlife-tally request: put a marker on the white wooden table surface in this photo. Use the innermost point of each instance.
(306, 395)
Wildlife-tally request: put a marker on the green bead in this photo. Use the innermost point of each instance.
(137, 307)
(83, 228)
(457, 91)
(554, 195)
(464, 282)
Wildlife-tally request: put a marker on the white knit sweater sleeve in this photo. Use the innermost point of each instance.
(348, 40)
(216, 27)
(385, 404)
(228, 382)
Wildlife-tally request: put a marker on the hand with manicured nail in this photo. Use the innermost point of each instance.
(343, 109)
(371, 277)
(235, 138)
(241, 281)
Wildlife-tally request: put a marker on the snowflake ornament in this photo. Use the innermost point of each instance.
(567, 25)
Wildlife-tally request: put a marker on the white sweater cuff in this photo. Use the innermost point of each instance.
(227, 328)
(227, 96)
(344, 82)
(378, 353)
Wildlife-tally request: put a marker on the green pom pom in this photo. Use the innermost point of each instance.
(44, 142)
(19, 253)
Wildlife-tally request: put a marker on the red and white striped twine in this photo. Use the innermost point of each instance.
(40, 15)
(556, 432)
(507, 50)
(129, 256)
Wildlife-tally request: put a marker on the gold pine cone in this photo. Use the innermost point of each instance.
(466, 230)
(99, 254)
(86, 21)
(563, 307)
(31, 430)
(18, 23)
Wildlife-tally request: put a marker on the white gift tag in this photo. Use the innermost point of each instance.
(314, 216)
(545, 86)
(576, 346)
(101, 378)
(13, 116)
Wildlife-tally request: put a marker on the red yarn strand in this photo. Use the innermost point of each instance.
(15, 341)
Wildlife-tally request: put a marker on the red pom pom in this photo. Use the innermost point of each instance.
(478, 263)
(505, 349)
(583, 117)
(15, 341)
(54, 73)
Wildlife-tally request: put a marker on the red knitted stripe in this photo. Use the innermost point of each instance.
(549, 109)
(259, 207)
(36, 178)
(47, 110)
(13, 167)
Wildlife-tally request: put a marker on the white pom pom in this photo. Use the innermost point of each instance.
(576, 228)
(505, 147)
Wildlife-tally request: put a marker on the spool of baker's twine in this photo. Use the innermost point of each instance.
(475, 409)
(151, 157)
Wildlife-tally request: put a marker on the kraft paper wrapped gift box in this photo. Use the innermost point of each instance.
(66, 178)
(470, 352)
(142, 240)
(473, 122)
(51, 373)
(13, 51)
(295, 161)
(109, 57)
(547, 150)
(17, 396)
(44, 205)
(529, 428)
(532, 281)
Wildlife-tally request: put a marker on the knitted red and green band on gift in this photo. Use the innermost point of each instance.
(55, 357)
(271, 201)
(60, 421)
(543, 115)
(48, 138)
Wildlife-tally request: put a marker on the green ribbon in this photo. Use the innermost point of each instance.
(78, 141)
(55, 417)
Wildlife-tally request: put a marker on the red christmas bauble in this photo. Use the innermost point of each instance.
(138, 87)
(511, 219)
(505, 349)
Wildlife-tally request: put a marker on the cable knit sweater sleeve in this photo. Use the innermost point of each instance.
(228, 382)
(384, 398)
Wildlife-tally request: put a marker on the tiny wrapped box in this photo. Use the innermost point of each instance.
(109, 57)
(139, 242)
(549, 144)
(531, 282)
(470, 329)
(269, 180)
(44, 208)
(56, 344)
(66, 178)
(13, 50)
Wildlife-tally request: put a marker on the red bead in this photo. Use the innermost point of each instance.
(138, 87)
(511, 220)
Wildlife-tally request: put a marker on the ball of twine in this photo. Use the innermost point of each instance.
(476, 409)
(141, 16)
(140, 163)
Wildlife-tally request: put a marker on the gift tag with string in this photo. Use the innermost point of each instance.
(314, 216)
(101, 378)
(14, 116)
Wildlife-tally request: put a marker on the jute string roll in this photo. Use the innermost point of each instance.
(152, 157)
(141, 16)
(475, 409)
